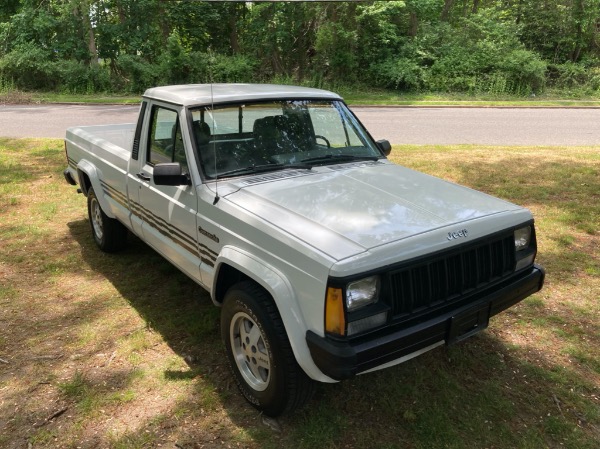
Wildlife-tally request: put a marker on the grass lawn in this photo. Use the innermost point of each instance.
(122, 351)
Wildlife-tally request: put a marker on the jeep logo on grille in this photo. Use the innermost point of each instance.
(458, 234)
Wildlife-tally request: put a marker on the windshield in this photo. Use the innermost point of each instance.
(239, 139)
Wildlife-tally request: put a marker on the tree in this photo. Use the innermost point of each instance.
(405, 44)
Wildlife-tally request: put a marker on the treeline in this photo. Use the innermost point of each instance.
(489, 46)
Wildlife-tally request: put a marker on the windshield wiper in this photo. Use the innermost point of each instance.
(334, 158)
(261, 169)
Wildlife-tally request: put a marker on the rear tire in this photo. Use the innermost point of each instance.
(109, 234)
(259, 352)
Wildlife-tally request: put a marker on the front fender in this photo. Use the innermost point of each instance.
(280, 289)
(86, 168)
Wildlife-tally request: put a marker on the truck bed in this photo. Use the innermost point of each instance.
(111, 137)
(108, 147)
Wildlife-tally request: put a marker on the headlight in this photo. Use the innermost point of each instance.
(362, 293)
(522, 238)
(525, 248)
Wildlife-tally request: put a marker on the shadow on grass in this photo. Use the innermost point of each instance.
(480, 393)
(179, 310)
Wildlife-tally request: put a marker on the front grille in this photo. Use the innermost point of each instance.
(446, 278)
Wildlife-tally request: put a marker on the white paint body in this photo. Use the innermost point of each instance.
(288, 232)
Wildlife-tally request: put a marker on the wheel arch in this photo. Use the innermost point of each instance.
(89, 177)
(235, 265)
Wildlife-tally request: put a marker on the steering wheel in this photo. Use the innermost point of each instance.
(325, 139)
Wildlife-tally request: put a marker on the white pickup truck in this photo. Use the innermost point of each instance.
(327, 259)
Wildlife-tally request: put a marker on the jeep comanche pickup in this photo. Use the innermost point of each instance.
(327, 260)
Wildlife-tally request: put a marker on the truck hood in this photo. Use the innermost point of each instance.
(344, 210)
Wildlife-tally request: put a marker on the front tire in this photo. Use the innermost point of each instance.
(259, 351)
(109, 234)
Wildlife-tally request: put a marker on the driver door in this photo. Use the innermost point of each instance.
(169, 212)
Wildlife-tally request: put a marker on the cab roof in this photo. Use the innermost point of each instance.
(207, 94)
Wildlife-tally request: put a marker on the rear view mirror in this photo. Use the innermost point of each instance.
(169, 174)
(384, 146)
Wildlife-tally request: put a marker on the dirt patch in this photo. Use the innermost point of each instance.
(16, 97)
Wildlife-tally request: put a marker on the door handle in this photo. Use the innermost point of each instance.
(143, 176)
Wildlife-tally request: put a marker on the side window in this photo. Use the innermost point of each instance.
(166, 142)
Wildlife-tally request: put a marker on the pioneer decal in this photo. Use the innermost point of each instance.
(205, 233)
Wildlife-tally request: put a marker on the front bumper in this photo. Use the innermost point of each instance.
(343, 359)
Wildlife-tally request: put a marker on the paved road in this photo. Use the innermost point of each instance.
(492, 126)
(53, 120)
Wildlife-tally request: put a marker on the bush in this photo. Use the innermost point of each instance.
(178, 65)
(483, 54)
(335, 57)
(233, 69)
(175, 63)
(76, 77)
(137, 74)
(30, 67)
(594, 79)
(567, 75)
(401, 73)
(524, 70)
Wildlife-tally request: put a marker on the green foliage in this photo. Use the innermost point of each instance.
(481, 54)
(179, 66)
(136, 74)
(75, 388)
(232, 69)
(524, 70)
(402, 73)
(8, 8)
(561, 30)
(481, 49)
(6, 85)
(380, 25)
(175, 62)
(497, 47)
(29, 66)
(568, 75)
(335, 46)
(77, 77)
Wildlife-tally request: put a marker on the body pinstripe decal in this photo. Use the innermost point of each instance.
(114, 194)
(206, 255)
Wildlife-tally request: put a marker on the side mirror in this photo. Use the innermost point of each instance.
(384, 146)
(169, 174)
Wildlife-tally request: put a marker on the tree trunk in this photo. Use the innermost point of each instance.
(519, 11)
(233, 31)
(92, 46)
(446, 11)
(413, 24)
(82, 12)
(164, 23)
(579, 16)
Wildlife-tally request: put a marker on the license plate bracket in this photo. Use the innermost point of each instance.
(467, 323)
